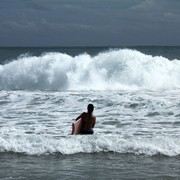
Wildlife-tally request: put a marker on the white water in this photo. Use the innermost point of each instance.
(138, 122)
(121, 69)
(38, 145)
(136, 98)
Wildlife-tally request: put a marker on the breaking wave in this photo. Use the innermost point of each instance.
(122, 69)
(91, 144)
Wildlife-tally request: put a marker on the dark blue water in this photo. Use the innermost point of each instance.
(11, 53)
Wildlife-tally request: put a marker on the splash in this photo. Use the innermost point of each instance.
(122, 69)
(39, 145)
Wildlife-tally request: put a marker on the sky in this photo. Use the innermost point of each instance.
(89, 22)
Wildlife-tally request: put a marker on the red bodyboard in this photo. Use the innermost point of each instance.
(76, 127)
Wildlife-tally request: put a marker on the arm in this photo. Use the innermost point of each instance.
(80, 116)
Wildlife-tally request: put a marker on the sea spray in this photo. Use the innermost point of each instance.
(121, 69)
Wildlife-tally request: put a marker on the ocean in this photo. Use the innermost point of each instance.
(136, 94)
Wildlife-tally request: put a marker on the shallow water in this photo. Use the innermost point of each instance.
(88, 166)
(138, 122)
(136, 99)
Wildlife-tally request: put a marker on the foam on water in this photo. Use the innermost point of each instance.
(121, 69)
(40, 145)
(138, 122)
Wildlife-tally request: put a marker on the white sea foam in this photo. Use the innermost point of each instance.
(90, 144)
(121, 69)
(138, 122)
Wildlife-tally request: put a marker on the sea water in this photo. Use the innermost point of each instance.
(135, 91)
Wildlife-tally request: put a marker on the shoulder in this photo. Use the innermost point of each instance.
(81, 116)
(84, 114)
(94, 117)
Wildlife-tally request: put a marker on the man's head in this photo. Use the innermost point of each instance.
(90, 108)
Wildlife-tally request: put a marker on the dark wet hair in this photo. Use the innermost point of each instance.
(90, 108)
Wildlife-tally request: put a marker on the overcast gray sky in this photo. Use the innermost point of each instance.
(89, 22)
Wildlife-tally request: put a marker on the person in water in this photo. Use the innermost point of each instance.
(88, 120)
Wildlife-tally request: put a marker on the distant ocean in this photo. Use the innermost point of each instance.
(136, 94)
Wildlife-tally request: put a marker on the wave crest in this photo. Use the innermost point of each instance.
(111, 70)
(91, 144)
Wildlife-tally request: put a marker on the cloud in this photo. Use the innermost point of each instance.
(85, 21)
(37, 6)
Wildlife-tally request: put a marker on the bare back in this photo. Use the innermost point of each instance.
(89, 121)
